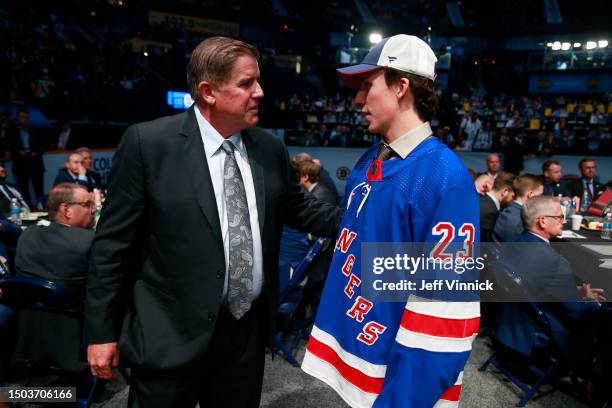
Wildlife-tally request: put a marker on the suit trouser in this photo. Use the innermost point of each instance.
(230, 375)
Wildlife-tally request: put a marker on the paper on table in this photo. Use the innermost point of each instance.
(571, 234)
(606, 263)
(605, 250)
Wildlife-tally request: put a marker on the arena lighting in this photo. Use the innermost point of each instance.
(590, 45)
(375, 38)
(577, 45)
(565, 46)
(556, 45)
(146, 54)
(602, 43)
(549, 45)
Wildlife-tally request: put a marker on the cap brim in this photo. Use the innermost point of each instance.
(353, 75)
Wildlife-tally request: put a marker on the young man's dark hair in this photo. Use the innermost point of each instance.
(423, 89)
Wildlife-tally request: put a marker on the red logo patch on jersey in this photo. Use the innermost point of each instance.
(375, 171)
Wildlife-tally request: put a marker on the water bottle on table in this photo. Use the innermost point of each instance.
(584, 203)
(606, 231)
(15, 212)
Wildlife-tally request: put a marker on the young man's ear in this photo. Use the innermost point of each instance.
(402, 87)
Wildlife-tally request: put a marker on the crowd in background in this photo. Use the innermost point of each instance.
(541, 126)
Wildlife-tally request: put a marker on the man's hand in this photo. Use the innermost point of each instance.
(82, 170)
(102, 358)
(589, 293)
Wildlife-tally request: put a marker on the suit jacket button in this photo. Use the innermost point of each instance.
(219, 274)
(211, 317)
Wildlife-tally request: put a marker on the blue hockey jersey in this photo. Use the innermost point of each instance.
(397, 354)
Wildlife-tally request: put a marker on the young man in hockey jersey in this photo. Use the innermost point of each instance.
(410, 189)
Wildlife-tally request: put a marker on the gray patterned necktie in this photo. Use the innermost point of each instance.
(240, 284)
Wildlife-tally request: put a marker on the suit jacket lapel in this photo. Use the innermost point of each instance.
(256, 158)
(199, 174)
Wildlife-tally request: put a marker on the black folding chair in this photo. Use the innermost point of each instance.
(509, 285)
(289, 298)
(25, 293)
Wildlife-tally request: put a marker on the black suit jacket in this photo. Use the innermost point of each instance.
(60, 254)
(57, 253)
(322, 193)
(577, 188)
(157, 275)
(488, 217)
(549, 280)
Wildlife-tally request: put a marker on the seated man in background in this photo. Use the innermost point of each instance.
(492, 202)
(9, 231)
(309, 172)
(553, 185)
(484, 184)
(58, 253)
(74, 172)
(325, 178)
(509, 225)
(588, 181)
(8, 191)
(549, 281)
(93, 178)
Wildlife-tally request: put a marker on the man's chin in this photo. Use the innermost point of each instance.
(252, 121)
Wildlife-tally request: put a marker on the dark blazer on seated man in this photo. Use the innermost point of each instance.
(488, 216)
(157, 291)
(577, 186)
(58, 253)
(548, 278)
(493, 202)
(74, 172)
(322, 193)
(509, 226)
(588, 177)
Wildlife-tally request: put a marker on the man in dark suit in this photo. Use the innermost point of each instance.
(509, 225)
(8, 191)
(94, 178)
(59, 253)
(27, 147)
(73, 172)
(309, 172)
(588, 180)
(553, 185)
(548, 278)
(184, 277)
(492, 202)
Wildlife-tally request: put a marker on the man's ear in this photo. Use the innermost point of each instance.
(207, 92)
(64, 209)
(401, 87)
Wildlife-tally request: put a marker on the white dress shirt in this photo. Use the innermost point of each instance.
(216, 159)
(495, 200)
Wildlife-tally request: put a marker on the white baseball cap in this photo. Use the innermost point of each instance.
(403, 52)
